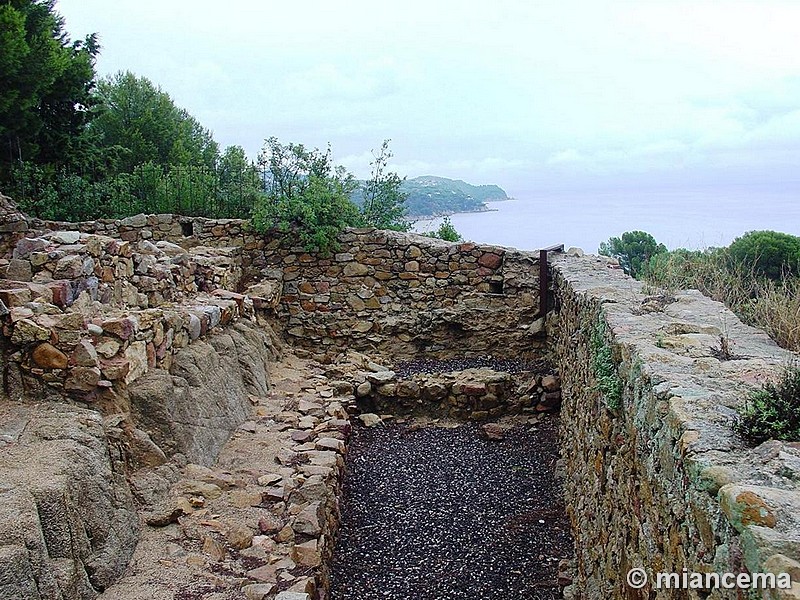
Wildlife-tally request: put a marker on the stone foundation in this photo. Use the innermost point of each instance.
(470, 394)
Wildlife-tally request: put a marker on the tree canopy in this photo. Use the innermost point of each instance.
(769, 253)
(140, 123)
(46, 85)
(633, 250)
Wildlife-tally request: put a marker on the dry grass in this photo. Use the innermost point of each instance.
(773, 306)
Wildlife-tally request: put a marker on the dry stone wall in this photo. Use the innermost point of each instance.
(404, 295)
(657, 478)
(399, 295)
(474, 394)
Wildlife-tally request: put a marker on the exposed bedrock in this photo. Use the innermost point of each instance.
(192, 408)
(68, 525)
(68, 520)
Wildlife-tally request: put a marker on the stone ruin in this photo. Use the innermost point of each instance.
(168, 377)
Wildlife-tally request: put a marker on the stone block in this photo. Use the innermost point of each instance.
(48, 356)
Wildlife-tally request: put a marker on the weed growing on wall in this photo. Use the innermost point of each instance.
(605, 370)
(773, 412)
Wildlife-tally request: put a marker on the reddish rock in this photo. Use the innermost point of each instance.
(123, 328)
(474, 388)
(82, 379)
(493, 431)
(267, 574)
(62, 293)
(302, 435)
(227, 295)
(48, 356)
(15, 297)
(85, 354)
(26, 246)
(269, 523)
(307, 554)
(490, 260)
(115, 368)
(551, 383)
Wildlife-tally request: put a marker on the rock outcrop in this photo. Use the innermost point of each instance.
(68, 525)
(192, 408)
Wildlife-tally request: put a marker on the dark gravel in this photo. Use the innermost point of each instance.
(434, 514)
(431, 365)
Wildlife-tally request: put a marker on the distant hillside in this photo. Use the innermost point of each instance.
(431, 196)
(428, 195)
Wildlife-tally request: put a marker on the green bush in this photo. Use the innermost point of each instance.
(306, 196)
(773, 412)
(445, 232)
(769, 253)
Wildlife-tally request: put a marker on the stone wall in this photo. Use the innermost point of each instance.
(474, 394)
(405, 295)
(83, 311)
(657, 478)
(399, 295)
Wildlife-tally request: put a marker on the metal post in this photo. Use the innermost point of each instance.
(544, 277)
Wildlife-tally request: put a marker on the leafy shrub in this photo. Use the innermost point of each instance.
(633, 250)
(306, 195)
(382, 200)
(773, 412)
(770, 253)
(446, 232)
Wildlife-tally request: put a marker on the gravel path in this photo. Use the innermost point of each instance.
(432, 365)
(435, 513)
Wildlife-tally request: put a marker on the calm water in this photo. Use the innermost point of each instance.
(695, 218)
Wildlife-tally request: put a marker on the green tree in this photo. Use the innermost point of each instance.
(769, 253)
(633, 250)
(46, 84)
(140, 123)
(383, 204)
(305, 195)
(240, 183)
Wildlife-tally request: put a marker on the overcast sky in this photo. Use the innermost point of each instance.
(524, 94)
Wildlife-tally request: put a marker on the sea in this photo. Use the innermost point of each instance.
(694, 218)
